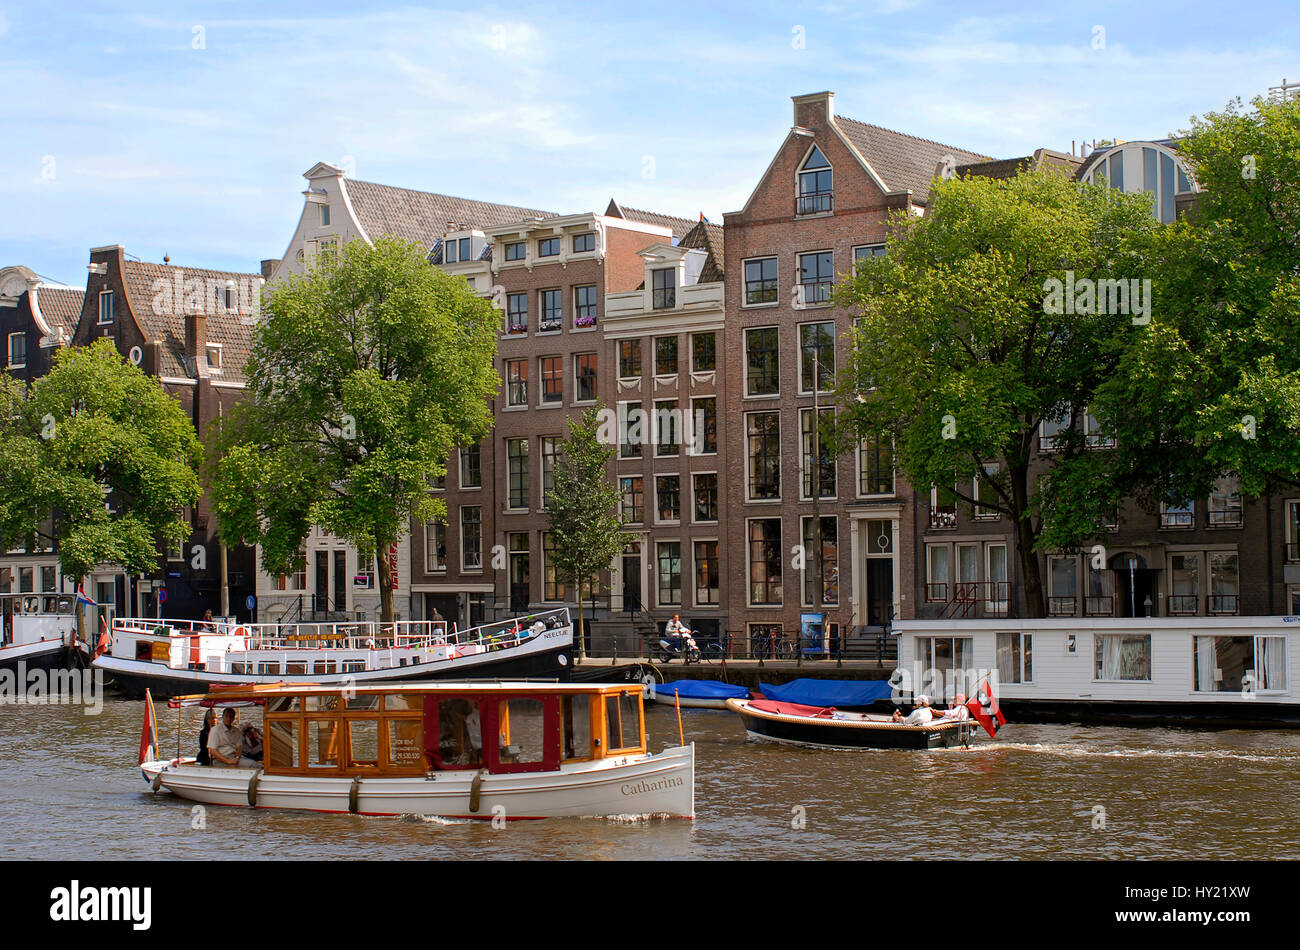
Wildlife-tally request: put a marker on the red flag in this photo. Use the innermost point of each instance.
(984, 707)
(149, 734)
(102, 646)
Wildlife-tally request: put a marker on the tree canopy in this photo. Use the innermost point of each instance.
(364, 375)
(97, 461)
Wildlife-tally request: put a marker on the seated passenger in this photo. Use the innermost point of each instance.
(209, 720)
(537, 629)
(225, 743)
(958, 712)
(252, 745)
(918, 716)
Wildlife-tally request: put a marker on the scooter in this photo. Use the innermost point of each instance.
(679, 645)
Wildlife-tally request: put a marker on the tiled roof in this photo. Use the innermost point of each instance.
(1010, 167)
(158, 321)
(422, 216)
(709, 237)
(679, 226)
(61, 307)
(903, 161)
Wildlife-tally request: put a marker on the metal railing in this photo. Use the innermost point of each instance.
(817, 202)
(1062, 606)
(943, 518)
(1181, 605)
(979, 599)
(1099, 605)
(1223, 603)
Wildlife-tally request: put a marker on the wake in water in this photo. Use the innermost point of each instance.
(1079, 751)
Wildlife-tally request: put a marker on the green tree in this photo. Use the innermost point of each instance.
(586, 533)
(963, 346)
(364, 375)
(1212, 385)
(97, 461)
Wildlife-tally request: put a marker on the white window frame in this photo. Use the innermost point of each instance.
(1022, 677)
(112, 308)
(680, 563)
(1096, 673)
(717, 498)
(893, 471)
(209, 352)
(9, 353)
(464, 567)
(666, 521)
(946, 547)
(982, 513)
(431, 550)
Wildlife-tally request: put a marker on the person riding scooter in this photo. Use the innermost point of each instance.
(679, 636)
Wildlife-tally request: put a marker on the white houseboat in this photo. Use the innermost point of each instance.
(460, 750)
(38, 630)
(1232, 672)
(177, 657)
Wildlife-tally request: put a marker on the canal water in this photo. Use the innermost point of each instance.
(69, 789)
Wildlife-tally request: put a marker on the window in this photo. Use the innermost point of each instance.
(449, 251)
(706, 496)
(629, 359)
(830, 561)
(1292, 515)
(816, 272)
(704, 425)
(552, 373)
(707, 579)
(668, 420)
(631, 425)
(516, 251)
(520, 575)
(324, 215)
(517, 382)
(1225, 503)
(550, 455)
(664, 284)
(471, 538)
(1063, 586)
(816, 353)
(553, 588)
(623, 718)
(986, 494)
(548, 247)
(435, 547)
(1239, 664)
(438, 482)
(762, 368)
(584, 377)
(818, 477)
(763, 430)
(1050, 429)
(1015, 657)
(876, 465)
(552, 310)
(938, 560)
(704, 357)
(632, 499)
(1224, 583)
(517, 312)
(17, 350)
(517, 461)
(945, 655)
(471, 467)
(1184, 585)
(670, 572)
(668, 497)
(1121, 656)
(765, 561)
(327, 250)
(995, 572)
(761, 281)
(868, 251)
(816, 181)
(26, 580)
(105, 307)
(584, 306)
(49, 581)
(1100, 599)
(1181, 515)
(1093, 435)
(584, 242)
(212, 353)
(665, 356)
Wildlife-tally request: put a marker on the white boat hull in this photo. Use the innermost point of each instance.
(661, 785)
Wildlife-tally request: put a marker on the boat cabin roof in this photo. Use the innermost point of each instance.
(449, 687)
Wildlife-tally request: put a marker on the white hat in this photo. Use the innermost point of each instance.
(923, 700)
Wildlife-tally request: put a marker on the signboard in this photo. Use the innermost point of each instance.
(812, 634)
(162, 595)
(250, 602)
(162, 651)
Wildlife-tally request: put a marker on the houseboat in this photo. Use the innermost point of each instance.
(825, 727)
(38, 631)
(177, 657)
(1230, 672)
(459, 750)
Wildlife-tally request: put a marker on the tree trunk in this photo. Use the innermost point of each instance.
(1026, 536)
(385, 581)
(582, 639)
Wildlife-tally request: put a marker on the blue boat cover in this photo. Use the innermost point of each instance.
(700, 689)
(839, 693)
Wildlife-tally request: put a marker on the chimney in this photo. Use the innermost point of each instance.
(196, 339)
(814, 110)
(269, 266)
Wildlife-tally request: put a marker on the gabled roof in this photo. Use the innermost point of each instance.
(161, 316)
(61, 307)
(422, 216)
(709, 238)
(679, 226)
(902, 161)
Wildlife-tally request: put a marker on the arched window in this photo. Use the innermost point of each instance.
(1152, 167)
(816, 184)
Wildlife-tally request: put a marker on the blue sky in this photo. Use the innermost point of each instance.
(184, 129)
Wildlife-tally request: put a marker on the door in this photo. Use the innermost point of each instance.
(321, 602)
(632, 577)
(880, 590)
(340, 581)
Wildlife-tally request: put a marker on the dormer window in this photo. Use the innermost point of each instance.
(664, 284)
(214, 355)
(324, 215)
(457, 249)
(105, 307)
(816, 184)
(229, 300)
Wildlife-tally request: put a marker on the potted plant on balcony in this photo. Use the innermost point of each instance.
(584, 322)
(517, 328)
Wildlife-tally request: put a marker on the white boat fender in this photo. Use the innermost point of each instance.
(354, 793)
(252, 788)
(475, 791)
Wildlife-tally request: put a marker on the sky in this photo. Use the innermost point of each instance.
(184, 129)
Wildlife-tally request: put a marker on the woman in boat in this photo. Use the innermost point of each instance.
(252, 747)
(209, 720)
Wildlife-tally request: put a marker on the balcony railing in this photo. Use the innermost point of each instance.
(1062, 606)
(979, 598)
(943, 518)
(814, 292)
(817, 202)
(1177, 519)
(1099, 605)
(1229, 517)
(936, 593)
(1181, 605)
(1223, 603)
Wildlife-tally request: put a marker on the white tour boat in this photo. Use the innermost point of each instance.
(1231, 672)
(177, 657)
(496, 750)
(38, 631)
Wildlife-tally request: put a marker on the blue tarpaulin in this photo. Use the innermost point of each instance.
(701, 689)
(839, 693)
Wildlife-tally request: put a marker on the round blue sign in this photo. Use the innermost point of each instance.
(162, 595)
(251, 602)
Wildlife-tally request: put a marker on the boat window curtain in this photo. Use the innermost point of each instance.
(1205, 659)
(1270, 659)
(1122, 657)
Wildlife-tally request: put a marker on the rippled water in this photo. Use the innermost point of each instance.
(69, 789)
